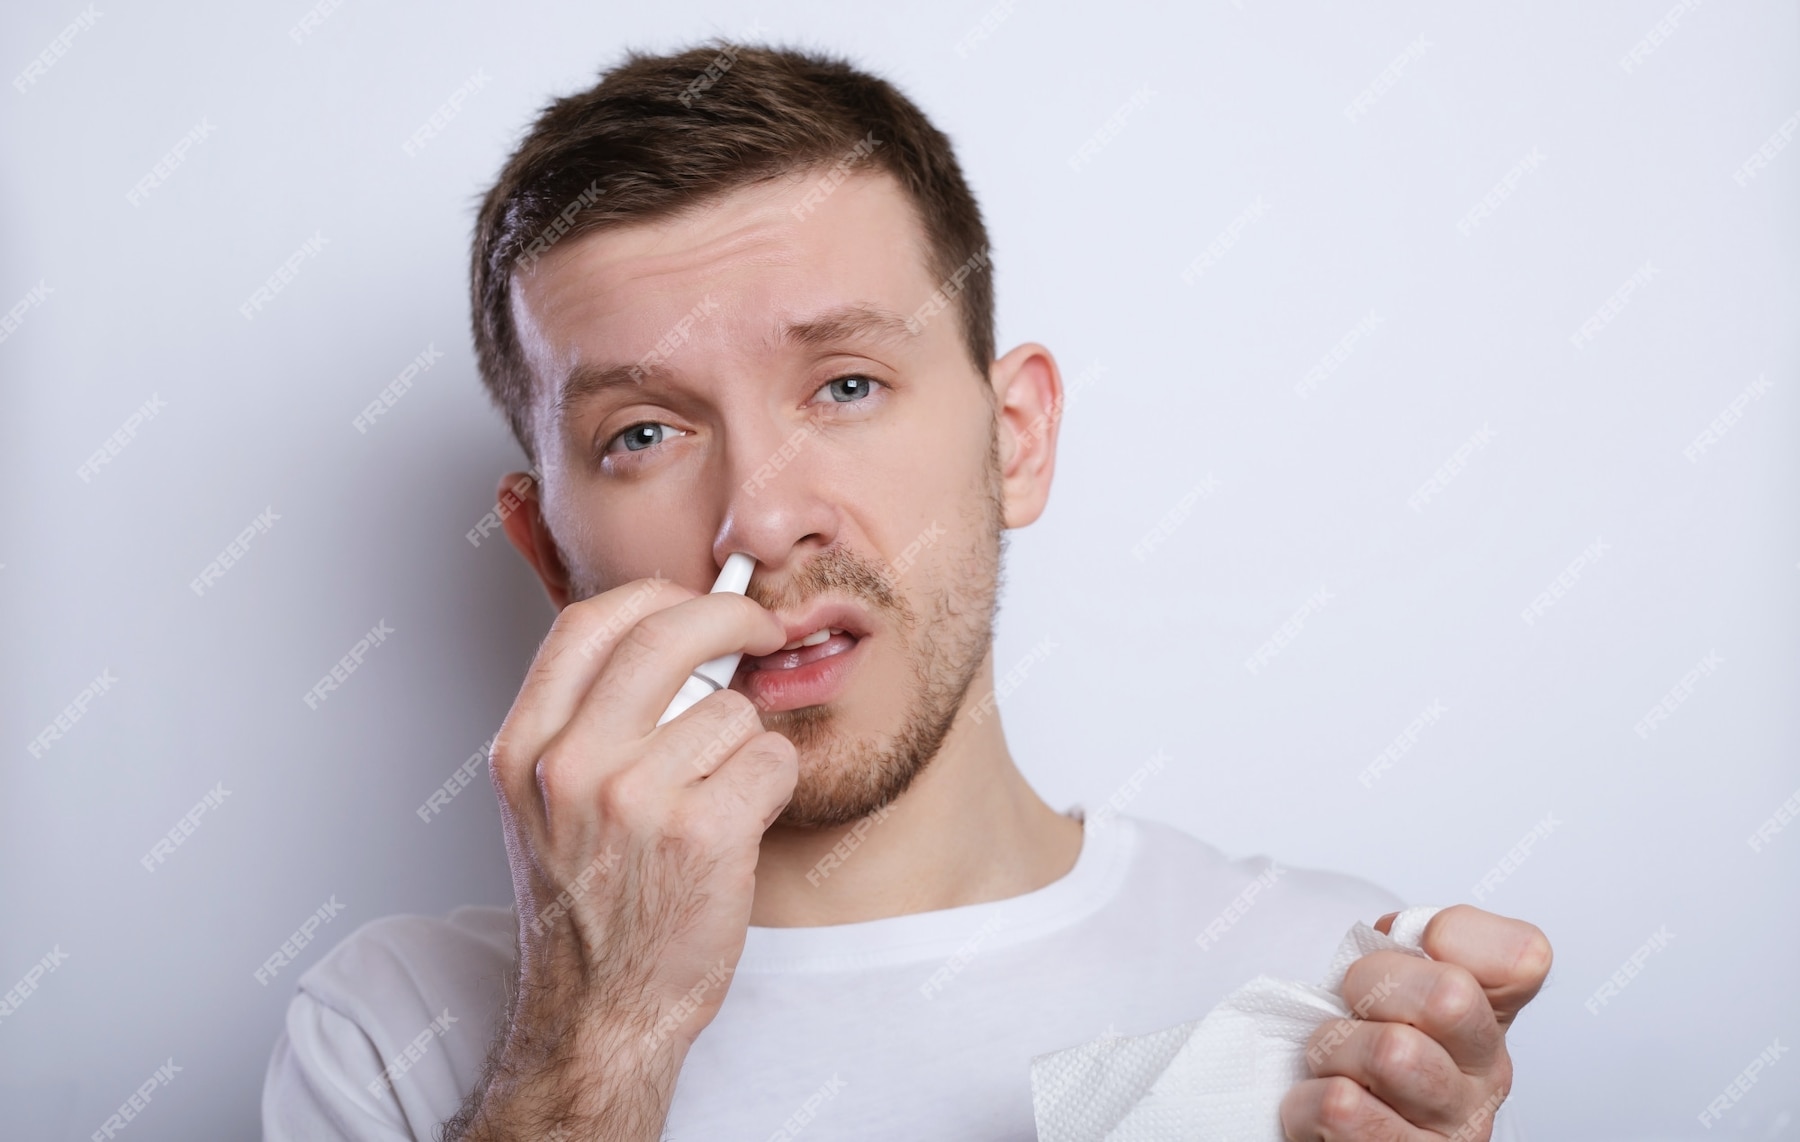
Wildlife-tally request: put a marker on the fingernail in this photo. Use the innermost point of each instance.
(1385, 923)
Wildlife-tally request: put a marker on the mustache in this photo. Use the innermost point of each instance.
(835, 570)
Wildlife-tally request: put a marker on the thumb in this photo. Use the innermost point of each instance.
(1509, 958)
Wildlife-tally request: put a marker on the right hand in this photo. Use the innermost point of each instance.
(633, 846)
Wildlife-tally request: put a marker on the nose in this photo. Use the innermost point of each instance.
(779, 507)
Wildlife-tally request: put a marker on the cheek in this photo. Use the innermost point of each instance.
(605, 544)
(621, 532)
(937, 498)
(931, 453)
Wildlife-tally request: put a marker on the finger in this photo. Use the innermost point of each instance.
(1335, 1109)
(1510, 958)
(635, 789)
(756, 782)
(1443, 1000)
(655, 656)
(695, 743)
(565, 667)
(1401, 1065)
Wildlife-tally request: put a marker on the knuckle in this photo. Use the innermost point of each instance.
(626, 796)
(719, 724)
(1340, 1105)
(650, 635)
(503, 759)
(693, 829)
(1453, 917)
(569, 622)
(571, 632)
(580, 623)
(1394, 1052)
(578, 616)
(557, 774)
(1455, 995)
(774, 747)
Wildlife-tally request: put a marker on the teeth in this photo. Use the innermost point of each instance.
(813, 639)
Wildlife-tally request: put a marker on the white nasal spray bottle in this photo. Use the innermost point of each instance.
(716, 674)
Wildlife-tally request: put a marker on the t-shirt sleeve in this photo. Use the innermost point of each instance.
(315, 1087)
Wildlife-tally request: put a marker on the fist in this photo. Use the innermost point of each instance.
(1427, 1060)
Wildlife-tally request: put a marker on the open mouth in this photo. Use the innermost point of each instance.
(822, 643)
(813, 668)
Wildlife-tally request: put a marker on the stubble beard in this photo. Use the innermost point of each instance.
(944, 637)
(943, 640)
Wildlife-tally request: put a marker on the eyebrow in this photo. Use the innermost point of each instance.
(839, 325)
(857, 322)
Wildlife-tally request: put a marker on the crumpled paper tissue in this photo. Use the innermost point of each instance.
(1217, 1079)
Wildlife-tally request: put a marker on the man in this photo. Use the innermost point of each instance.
(740, 300)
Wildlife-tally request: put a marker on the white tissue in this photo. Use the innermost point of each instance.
(1217, 1079)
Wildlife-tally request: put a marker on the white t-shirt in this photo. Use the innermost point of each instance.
(911, 1027)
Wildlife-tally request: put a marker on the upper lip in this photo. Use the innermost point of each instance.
(844, 616)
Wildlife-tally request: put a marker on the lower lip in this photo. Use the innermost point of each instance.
(814, 684)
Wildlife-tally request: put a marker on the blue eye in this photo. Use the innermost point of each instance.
(641, 436)
(847, 389)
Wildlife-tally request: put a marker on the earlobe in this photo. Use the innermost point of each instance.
(522, 517)
(1028, 386)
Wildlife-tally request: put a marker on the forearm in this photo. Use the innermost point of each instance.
(590, 1078)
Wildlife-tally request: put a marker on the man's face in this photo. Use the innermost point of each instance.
(742, 379)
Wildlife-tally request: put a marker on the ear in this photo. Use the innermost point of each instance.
(1028, 393)
(522, 515)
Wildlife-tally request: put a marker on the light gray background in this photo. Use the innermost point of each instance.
(1244, 101)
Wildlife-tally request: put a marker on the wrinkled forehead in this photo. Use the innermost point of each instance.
(722, 277)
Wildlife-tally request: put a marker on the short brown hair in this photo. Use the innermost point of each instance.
(661, 133)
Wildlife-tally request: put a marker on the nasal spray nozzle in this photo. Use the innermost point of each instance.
(716, 673)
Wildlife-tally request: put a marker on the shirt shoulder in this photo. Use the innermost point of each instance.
(408, 964)
(390, 1029)
(1275, 918)
(1169, 848)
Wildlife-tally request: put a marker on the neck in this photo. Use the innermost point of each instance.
(968, 830)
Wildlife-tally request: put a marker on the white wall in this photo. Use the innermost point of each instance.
(1631, 165)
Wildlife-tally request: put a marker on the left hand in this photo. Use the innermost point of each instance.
(1427, 1059)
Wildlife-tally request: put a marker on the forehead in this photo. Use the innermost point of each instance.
(750, 260)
